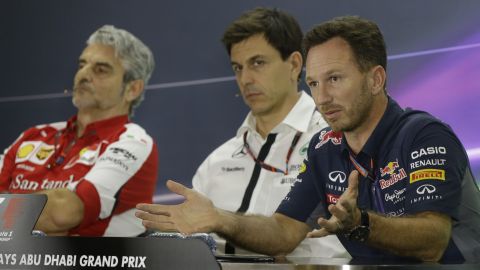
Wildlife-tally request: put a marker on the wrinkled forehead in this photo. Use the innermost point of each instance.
(100, 53)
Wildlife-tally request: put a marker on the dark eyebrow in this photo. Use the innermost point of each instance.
(249, 60)
(255, 57)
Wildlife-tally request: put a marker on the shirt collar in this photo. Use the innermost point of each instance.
(298, 118)
(102, 128)
(389, 118)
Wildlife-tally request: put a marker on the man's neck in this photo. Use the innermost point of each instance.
(86, 118)
(357, 138)
(266, 122)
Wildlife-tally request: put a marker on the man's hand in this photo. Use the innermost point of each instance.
(195, 214)
(345, 213)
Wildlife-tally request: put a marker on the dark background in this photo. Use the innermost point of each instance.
(190, 106)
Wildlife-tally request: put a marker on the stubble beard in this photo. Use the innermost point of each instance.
(358, 114)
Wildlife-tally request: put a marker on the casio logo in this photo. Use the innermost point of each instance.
(426, 188)
(428, 151)
(337, 176)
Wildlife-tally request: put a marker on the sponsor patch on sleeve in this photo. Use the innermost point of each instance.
(427, 174)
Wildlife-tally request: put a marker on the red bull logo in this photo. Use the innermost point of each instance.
(326, 136)
(390, 168)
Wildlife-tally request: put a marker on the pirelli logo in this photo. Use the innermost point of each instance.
(427, 174)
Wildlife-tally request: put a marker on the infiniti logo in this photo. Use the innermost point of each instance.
(426, 188)
(337, 176)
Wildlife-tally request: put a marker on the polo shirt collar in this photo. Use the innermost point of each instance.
(102, 128)
(298, 118)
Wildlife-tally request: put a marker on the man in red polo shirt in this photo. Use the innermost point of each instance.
(97, 166)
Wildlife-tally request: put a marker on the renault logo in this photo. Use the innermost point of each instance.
(426, 188)
(337, 176)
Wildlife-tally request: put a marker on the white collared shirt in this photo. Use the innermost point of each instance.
(225, 174)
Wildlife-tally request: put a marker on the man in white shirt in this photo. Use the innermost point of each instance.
(252, 172)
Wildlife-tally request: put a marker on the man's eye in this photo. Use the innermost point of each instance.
(333, 79)
(236, 68)
(258, 63)
(101, 70)
(312, 84)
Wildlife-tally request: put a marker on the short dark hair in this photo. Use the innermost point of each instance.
(363, 36)
(280, 29)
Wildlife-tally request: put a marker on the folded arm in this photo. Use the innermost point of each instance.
(63, 211)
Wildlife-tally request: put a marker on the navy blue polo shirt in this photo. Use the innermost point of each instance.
(416, 164)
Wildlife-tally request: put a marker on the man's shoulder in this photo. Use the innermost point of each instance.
(228, 148)
(43, 130)
(133, 131)
(414, 122)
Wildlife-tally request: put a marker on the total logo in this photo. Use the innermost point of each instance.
(426, 189)
(332, 198)
(337, 176)
(326, 136)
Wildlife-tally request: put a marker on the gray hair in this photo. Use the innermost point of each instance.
(136, 57)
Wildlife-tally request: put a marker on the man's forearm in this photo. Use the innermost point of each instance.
(424, 236)
(63, 211)
(277, 235)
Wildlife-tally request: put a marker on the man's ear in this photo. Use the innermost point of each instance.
(134, 89)
(377, 79)
(296, 61)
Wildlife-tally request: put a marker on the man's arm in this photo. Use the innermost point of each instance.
(63, 211)
(277, 235)
(424, 235)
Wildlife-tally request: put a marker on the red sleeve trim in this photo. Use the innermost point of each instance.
(91, 203)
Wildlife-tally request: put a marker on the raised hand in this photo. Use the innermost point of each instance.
(345, 213)
(195, 214)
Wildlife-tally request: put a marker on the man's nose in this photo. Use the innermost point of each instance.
(320, 95)
(246, 77)
(83, 75)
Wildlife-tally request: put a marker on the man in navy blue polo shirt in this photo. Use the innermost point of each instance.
(396, 183)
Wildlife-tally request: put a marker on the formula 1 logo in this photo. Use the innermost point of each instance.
(11, 212)
(326, 136)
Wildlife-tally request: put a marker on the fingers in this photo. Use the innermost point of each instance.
(339, 210)
(331, 225)
(152, 217)
(177, 188)
(353, 183)
(155, 221)
(318, 233)
(154, 208)
(164, 227)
